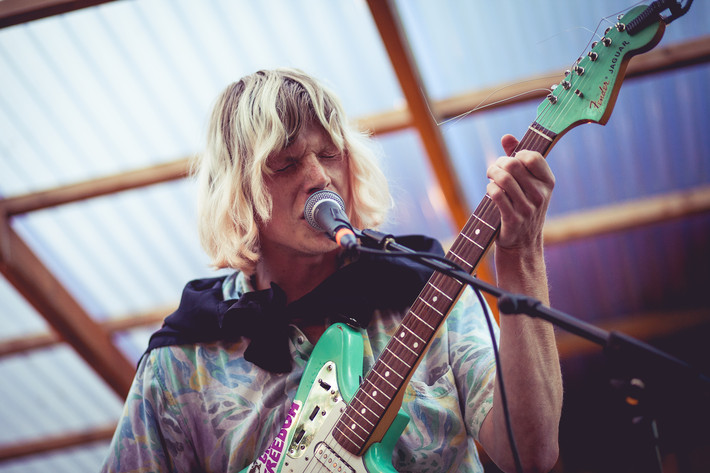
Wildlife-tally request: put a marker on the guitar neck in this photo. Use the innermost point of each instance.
(379, 397)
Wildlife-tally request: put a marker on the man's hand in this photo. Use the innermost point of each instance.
(521, 188)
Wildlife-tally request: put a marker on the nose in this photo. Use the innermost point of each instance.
(316, 175)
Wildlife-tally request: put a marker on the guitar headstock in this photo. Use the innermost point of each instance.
(588, 92)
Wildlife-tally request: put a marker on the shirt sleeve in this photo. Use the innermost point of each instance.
(150, 435)
(471, 357)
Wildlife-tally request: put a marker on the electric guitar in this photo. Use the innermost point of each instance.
(337, 424)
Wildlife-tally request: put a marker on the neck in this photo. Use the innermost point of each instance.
(298, 275)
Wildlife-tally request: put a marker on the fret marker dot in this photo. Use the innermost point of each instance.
(416, 344)
(387, 374)
(374, 393)
(478, 230)
(362, 411)
(401, 335)
(435, 298)
(352, 426)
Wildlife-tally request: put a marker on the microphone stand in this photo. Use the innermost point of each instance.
(643, 369)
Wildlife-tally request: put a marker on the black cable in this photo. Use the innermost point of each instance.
(418, 256)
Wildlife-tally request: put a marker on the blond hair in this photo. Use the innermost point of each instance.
(259, 115)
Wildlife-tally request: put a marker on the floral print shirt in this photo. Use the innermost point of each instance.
(203, 407)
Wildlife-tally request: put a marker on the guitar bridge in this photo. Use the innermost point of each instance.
(331, 460)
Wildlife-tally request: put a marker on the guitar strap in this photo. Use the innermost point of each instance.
(352, 293)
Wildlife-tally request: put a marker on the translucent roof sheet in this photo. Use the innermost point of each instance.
(129, 84)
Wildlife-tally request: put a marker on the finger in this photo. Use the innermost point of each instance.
(509, 143)
(505, 173)
(536, 165)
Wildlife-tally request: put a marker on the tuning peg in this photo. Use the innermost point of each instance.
(552, 99)
(566, 84)
(606, 41)
(579, 70)
(593, 56)
(620, 27)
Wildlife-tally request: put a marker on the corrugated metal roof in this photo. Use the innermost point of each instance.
(128, 84)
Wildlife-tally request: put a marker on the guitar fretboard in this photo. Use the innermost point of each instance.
(396, 364)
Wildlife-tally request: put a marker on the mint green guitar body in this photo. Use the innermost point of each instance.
(329, 382)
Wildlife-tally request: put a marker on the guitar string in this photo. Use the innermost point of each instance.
(584, 79)
(567, 103)
(460, 243)
(339, 449)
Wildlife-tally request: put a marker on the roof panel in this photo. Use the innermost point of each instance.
(42, 397)
(129, 84)
(84, 98)
(17, 317)
(121, 254)
(72, 460)
(462, 46)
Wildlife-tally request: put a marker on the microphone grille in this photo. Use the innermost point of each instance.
(316, 199)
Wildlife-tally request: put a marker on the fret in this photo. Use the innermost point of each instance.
(349, 431)
(483, 221)
(398, 358)
(433, 308)
(413, 333)
(472, 241)
(344, 436)
(373, 395)
(356, 419)
(360, 413)
(383, 378)
(398, 365)
(392, 370)
(407, 346)
(387, 389)
(460, 259)
(439, 290)
(354, 425)
(421, 320)
(365, 408)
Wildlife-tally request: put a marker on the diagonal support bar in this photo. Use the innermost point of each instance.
(40, 288)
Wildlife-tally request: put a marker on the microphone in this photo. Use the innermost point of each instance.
(325, 211)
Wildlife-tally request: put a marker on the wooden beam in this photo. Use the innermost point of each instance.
(37, 341)
(56, 442)
(24, 344)
(645, 327)
(95, 188)
(600, 221)
(39, 287)
(627, 216)
(14, 12)
(393, 36)
(674, 56)
(677, 55)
